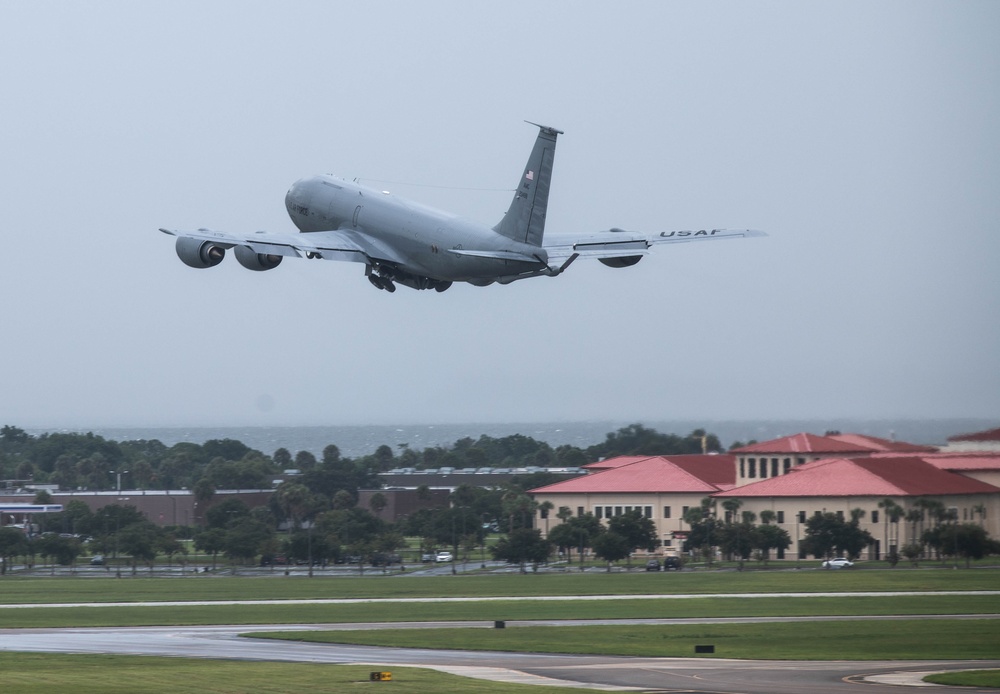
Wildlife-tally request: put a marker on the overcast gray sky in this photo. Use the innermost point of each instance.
(863, 137)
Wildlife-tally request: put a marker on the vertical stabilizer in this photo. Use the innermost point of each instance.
(525, 219)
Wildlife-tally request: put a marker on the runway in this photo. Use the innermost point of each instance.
(604, 673)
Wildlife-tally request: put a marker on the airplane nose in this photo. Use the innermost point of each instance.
(297, 200)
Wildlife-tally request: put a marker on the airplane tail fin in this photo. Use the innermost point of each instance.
(525, 219)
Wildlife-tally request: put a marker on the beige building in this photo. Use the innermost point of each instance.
(795, 477)
(840, 485)
(663, 488)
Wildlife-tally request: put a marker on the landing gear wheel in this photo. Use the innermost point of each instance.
(441, 286)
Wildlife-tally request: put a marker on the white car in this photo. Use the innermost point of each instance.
(443, 557)
(838, 563)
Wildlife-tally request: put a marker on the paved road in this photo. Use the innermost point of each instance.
(606, 673)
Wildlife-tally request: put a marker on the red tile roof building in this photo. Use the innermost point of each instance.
(840, 485)
(794, 476)
(988, 440)
(660, 487)
(779, 456)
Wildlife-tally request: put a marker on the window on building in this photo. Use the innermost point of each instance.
(684, 511)
(802, 516)
(781, 516)
(763, 468)
(800, 461)
(647, 511)
(774, 467)
(875, 516)
(743, 469)
(840, 515)
(607, 512)
(628, 509)
(618, 510)
(599, 511)
(753, 467)
(666, 512)
(787, 465)
(579, 510)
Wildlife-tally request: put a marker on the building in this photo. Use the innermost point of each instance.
(988, 440)
(779, 456)
(662, 488)
(169, 507)
(841, 485)
(796, 477)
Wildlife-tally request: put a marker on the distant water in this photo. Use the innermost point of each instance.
(354, 441)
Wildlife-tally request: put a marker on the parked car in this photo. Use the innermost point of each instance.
(97, 560)
(427, 556)
(671, 563)
(838, 563)
(443, 557)
(653, 565)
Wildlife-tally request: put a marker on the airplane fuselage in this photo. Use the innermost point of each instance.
(403, 242)
(415, 238)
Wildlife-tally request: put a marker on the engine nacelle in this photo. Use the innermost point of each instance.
(626, 261)
(256, 261)
(199, 254)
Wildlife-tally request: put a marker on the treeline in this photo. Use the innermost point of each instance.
(88, 462)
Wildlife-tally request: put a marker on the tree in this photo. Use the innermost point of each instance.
(244, 538)
(705, 529)
(13, 543)
(377, 503)
(639, 532)
(967, 540)
(543, 511)
(221, 515)
(826, 533)
(611, 547)
(139, 541)
(211, 541)
(522, 545)
(767, 537)
(61, 550)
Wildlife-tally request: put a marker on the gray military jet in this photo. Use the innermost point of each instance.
(403, 242)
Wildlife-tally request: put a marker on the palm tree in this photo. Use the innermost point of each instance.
(887, 505)
(731, 506)
(980, 510)
(768, 516)
(544, 509)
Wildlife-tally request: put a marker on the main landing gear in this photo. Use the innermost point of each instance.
(384, 277)
(382, 283)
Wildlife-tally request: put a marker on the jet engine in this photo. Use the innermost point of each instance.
(199, 254)
(256, 261)
(625, 261)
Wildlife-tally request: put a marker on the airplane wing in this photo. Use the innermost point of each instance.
(329, 245)
(618, 243)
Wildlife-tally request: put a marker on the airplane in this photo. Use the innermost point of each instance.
(403, 242)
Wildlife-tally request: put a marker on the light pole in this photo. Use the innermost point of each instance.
(118, 474)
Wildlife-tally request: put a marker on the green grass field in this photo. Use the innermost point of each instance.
(846, 640)
(968, 678)
(43, 589)
(29, 673)
(495, 610)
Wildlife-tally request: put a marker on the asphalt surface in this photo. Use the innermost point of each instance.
(605, 673)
